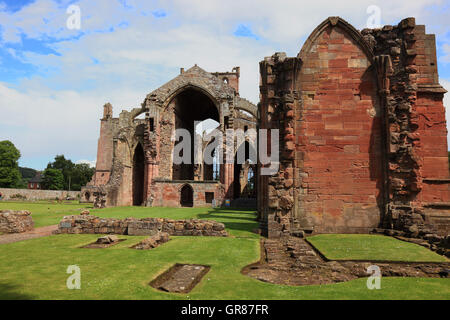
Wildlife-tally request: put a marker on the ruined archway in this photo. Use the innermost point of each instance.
(190, 106)
(138, 175)
(186, 196)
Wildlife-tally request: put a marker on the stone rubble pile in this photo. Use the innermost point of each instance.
(153, 241)
(15, 221)
(108, 239)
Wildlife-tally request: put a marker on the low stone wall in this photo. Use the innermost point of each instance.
(34, 195)
(15, 221)
(140, 227)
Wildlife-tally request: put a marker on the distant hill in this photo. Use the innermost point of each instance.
(27, 173)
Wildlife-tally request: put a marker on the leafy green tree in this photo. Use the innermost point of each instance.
(75, 175)
(66, 166)
(10, 176)
(81, 175)
(53, 179)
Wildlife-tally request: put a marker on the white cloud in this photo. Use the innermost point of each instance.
(57, 110)
(91, 163)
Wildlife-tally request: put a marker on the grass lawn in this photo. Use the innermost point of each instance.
(45, 213)
(371, 247)
(36, 269)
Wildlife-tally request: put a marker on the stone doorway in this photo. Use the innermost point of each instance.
(138, 175)
(187, 196)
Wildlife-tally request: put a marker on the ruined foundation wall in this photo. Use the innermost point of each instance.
(15, 221)
(140, 227)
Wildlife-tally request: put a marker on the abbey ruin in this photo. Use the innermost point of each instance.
(363, 137)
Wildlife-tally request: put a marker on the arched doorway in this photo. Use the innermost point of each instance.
(187, 196)
(192, 105)
(138, 175)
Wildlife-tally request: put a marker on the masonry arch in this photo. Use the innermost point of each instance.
(186, 196)
(191, 106)
(335, 22)
(341, 135)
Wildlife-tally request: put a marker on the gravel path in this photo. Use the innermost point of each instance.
(36, 233)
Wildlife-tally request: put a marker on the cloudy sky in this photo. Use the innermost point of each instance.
(55, 80)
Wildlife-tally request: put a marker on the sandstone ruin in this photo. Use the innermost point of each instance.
(134, 158)
(140, 227)
(15, 221)
(363, 137)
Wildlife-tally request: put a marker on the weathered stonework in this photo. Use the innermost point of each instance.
(363, 133)
(36, 195)
(152, 241)
(140, 227)
(134, 158)
(15, 221)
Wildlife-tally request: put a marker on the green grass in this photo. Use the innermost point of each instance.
(371, 247)
(45, 213)
(36, 269)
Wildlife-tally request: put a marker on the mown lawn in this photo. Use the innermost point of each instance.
(36, 269)
(372, 248)
(45, 213)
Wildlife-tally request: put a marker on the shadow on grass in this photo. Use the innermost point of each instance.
(249, 210)
(8, 291)
(243, 224)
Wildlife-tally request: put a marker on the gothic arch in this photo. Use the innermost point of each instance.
(334, 22)
(186, 87)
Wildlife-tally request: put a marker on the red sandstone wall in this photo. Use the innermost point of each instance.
(432, 149)
(104, 153)
(167, 194)
(339, 136)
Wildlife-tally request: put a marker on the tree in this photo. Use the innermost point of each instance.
(75, 175)
(66, 166)
(53, 179)
(9, 166)
(81, 175)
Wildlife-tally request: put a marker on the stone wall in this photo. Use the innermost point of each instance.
(140, 227)
(34, 195)
(15, 221)
(362, 133)
(168, 193)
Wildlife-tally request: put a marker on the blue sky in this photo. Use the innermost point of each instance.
(55, 80)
